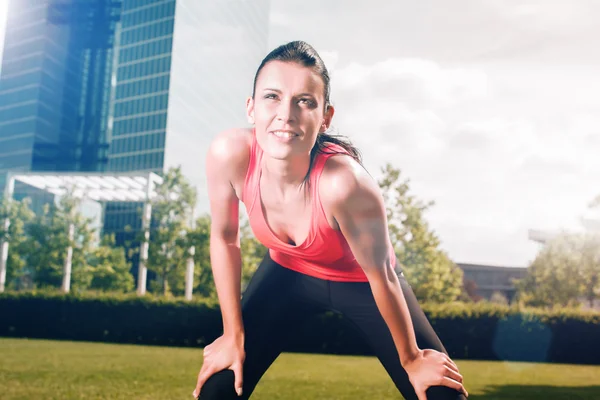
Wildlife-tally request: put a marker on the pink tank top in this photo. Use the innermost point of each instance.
(324, 254)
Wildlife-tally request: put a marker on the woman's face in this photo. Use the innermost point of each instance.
(288, 109)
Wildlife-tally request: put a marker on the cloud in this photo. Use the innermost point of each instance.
(279, 19)
(468, 137)
(536, 165)
(396, 106)
(546, 32)
(542, 31)
(417, 82)
(330, 58)
(550, 16)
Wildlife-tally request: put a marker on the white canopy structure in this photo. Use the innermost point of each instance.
(97, 186)
(101, 187)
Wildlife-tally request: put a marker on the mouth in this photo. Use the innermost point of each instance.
(284, 134)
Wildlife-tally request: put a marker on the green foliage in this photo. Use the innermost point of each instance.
(171, 212)
(499, 298)
(565, 271)
(110, 269)
(433, 276)
(252, 250)
(199, 238)
(20, 215)
(44, 248)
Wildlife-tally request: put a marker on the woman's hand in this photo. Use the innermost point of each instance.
(432, 368)
(226, 352)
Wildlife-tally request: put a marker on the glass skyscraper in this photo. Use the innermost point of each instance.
(55, 85)
(142, 74)
(130, 85)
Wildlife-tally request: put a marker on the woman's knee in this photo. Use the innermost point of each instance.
(219, 386)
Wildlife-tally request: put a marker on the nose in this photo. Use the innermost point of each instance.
(286, 111)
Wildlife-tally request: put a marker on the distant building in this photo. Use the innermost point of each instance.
(489, 279)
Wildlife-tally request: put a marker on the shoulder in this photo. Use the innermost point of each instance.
(231, 144)
(345, 184)
(229, 154)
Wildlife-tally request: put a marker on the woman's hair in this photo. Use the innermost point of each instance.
(304, 54)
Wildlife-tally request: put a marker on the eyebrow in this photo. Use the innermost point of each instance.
(279, 91)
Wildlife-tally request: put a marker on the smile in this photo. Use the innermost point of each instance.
(284, 134)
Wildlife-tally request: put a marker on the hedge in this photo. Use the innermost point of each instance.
(480, 331)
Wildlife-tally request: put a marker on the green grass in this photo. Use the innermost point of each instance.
(76, 370)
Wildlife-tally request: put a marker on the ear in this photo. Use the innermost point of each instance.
(327, 118)
(250, 109)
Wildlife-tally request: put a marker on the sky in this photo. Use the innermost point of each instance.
(490, 107)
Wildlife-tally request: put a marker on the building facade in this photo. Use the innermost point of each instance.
(485, 280)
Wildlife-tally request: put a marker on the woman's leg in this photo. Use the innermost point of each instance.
(270, 309)
(356, 302)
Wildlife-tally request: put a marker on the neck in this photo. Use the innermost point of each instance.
(286, 176)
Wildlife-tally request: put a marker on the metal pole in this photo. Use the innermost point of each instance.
(142, 269)
(66, 283)
(189, 276)
(8, 193)
(189, 273)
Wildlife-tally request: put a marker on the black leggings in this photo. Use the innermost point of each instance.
(278, 299)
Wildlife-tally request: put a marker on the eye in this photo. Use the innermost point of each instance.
(270, 96)
(307, 101)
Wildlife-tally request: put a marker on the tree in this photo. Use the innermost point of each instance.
(110, 269)
(499, 298)
(469, 292)
(19, 215)
(171, 212)
(590, 266)
(252, 253)
(47, 240)
(432, 275)
(198, 237)
(565, 270)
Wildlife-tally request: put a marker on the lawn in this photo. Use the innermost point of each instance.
(78, 370)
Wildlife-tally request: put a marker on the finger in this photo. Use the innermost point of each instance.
(421, 395)
(450, 373)
(239, 377)
(452, 366)
(450, 361)
(203, 376)
(451, 383)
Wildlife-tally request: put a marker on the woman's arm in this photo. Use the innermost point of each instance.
(357, 205)
(225, 156)
(225, 253)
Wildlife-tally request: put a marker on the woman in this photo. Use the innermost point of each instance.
(323, 219)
